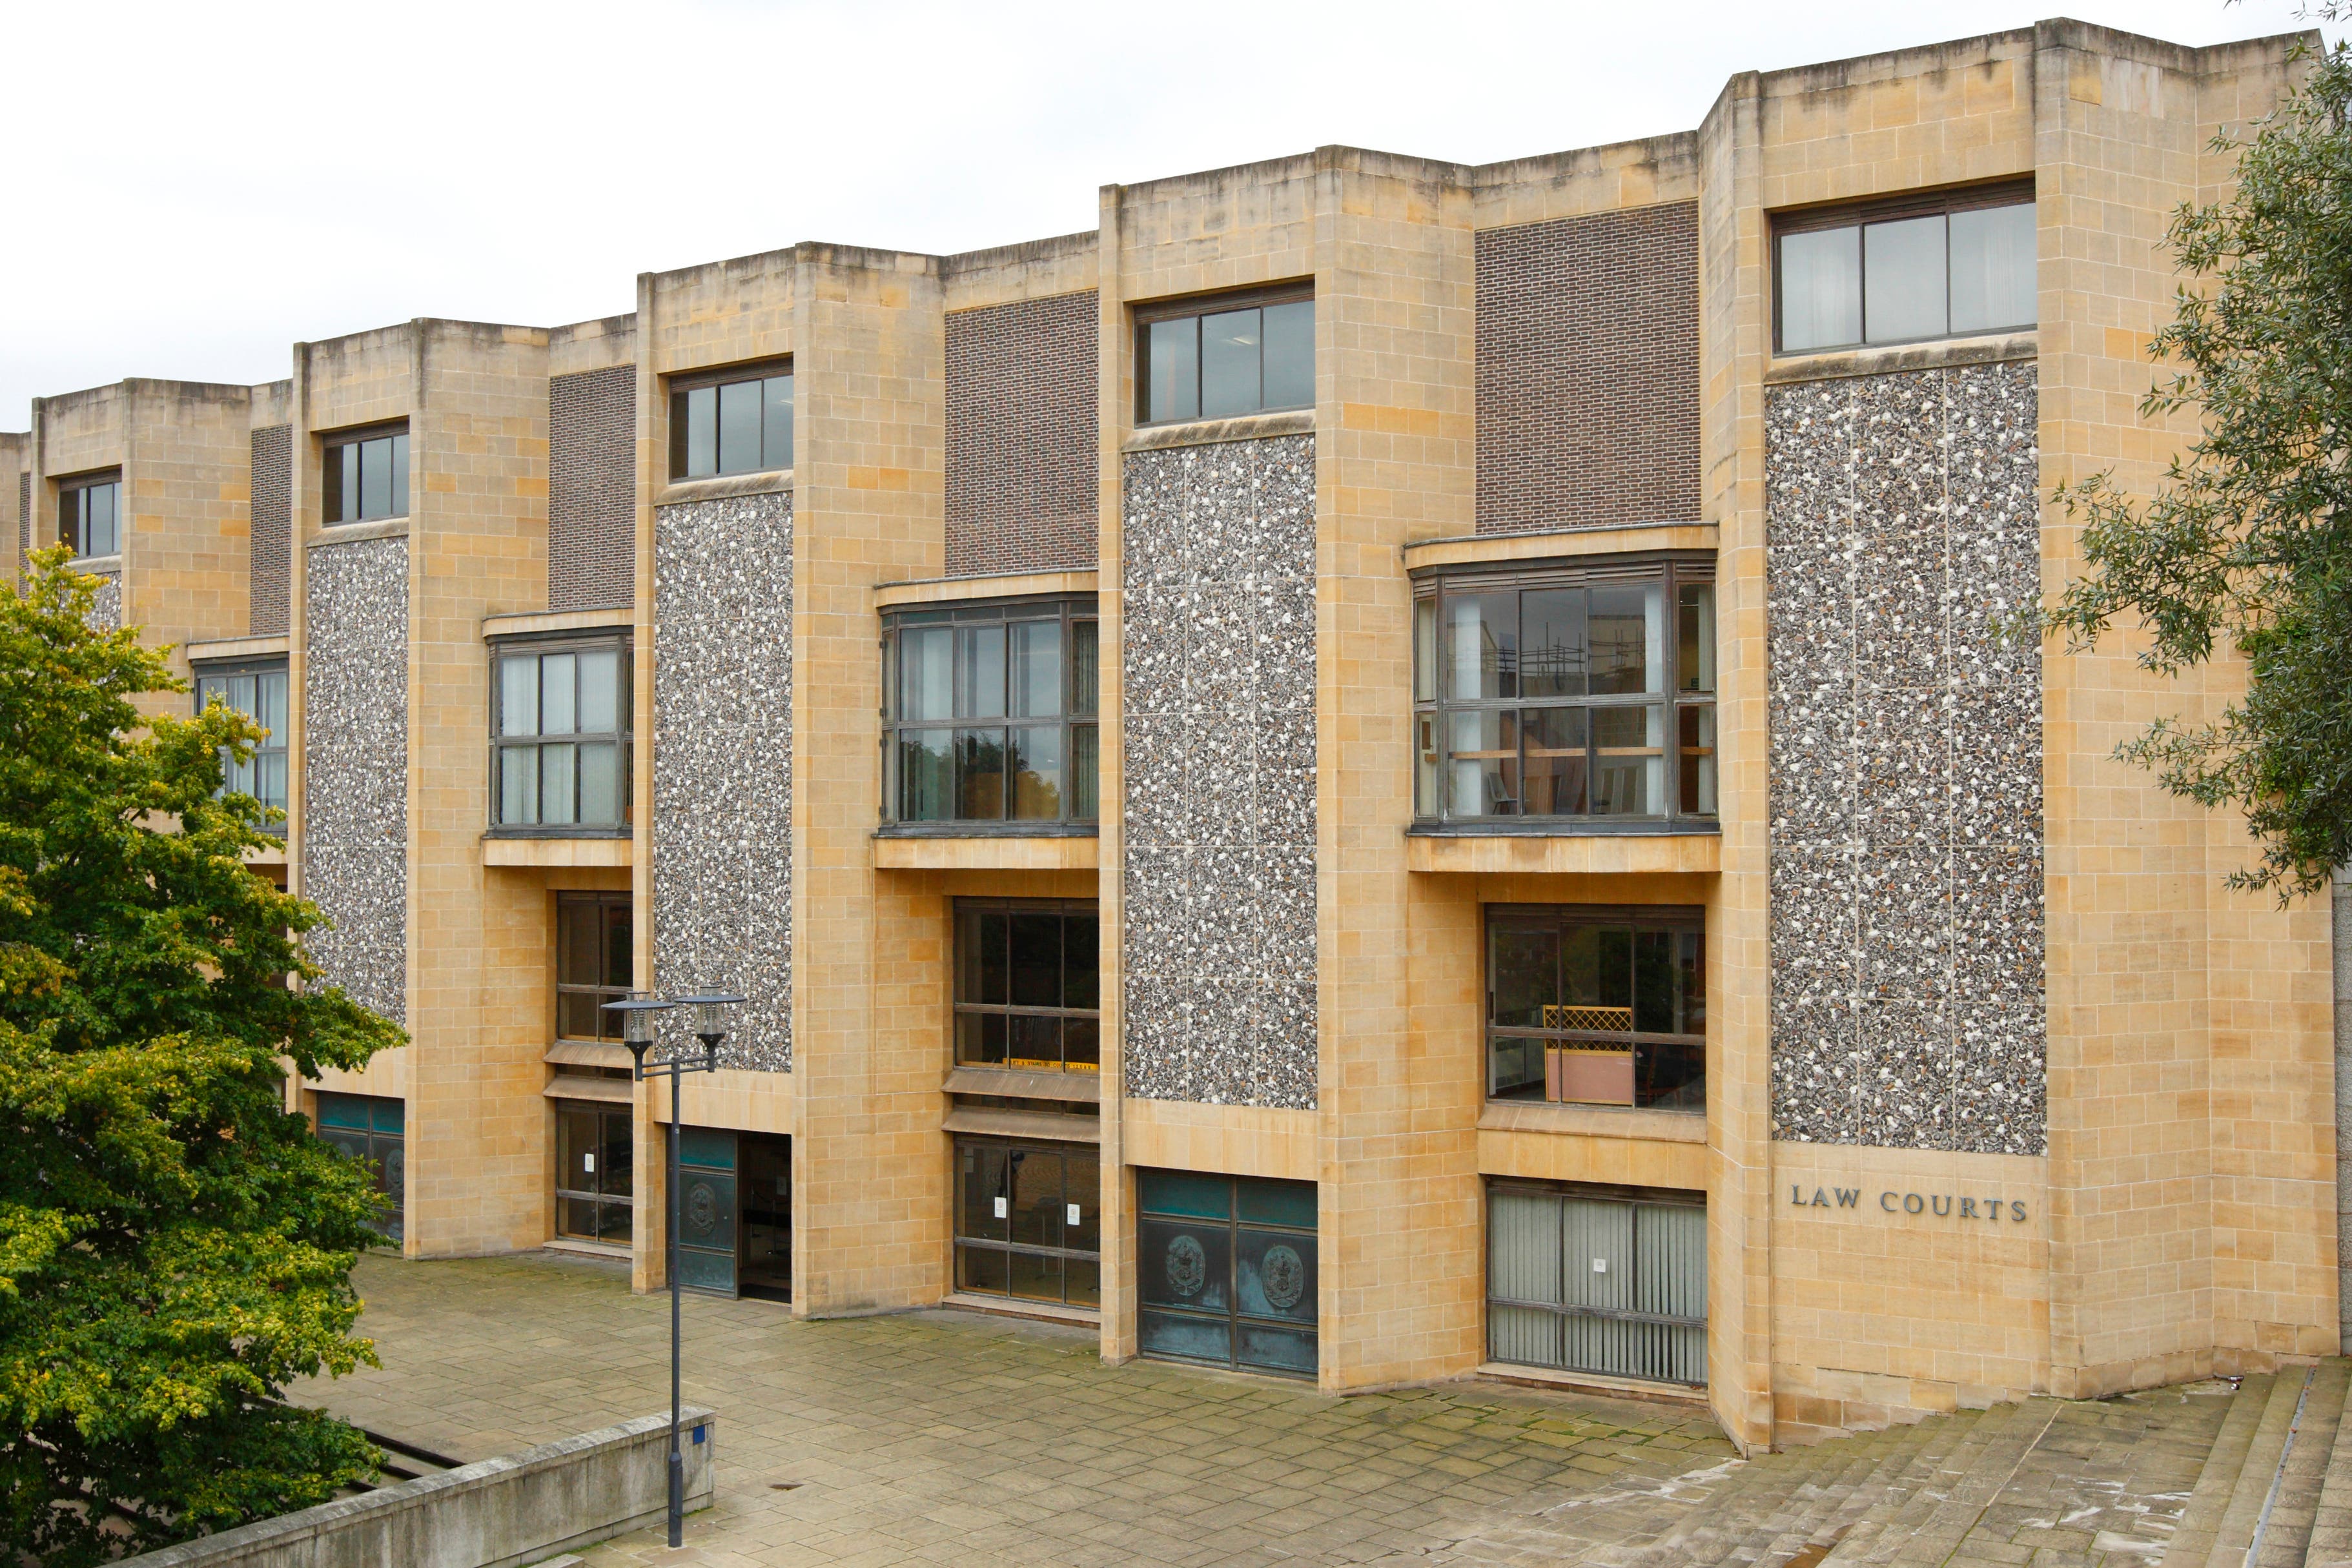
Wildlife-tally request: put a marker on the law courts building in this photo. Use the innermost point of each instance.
(1375, 771)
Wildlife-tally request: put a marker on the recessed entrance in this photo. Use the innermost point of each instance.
(735, 1213)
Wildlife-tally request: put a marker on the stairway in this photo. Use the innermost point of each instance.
(2198, 1477)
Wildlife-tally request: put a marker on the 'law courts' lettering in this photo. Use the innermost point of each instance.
(1941, 1205)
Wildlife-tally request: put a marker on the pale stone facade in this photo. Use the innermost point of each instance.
(2003, 1091)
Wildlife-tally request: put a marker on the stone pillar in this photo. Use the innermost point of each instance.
(2341, 898)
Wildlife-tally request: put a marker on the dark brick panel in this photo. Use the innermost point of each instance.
(1022, 463)
(591, 489)
(1588, 372)
(268, 562)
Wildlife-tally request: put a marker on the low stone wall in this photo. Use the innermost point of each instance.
(500, 1514)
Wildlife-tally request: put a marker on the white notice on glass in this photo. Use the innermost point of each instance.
(1074, 1214)
(1601, 1265)
(1000, 1209)
(588, 1164)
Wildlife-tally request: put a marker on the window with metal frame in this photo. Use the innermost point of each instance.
(1602, 1281)
(1947, 264)
(1589, 1005)
(89, 514)
(363, 478)
(1214, 359)
(1028, 985)
(593, 959)
(596, 1172)
(371, 1129)
(560, 737)
(1580, 694)
(730, 422)
(989, 715)
(257, 689)
(1225, 1270)
(1028, 1220)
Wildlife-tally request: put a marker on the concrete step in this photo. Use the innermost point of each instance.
(1924, 1526)
(2283, 1534)
(1783, 1502)
(2196, 1542)
(1886, 1474)
(2330, 1542)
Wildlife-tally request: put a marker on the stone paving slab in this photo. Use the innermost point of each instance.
(947, 1437)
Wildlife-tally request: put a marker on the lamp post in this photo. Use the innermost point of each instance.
(637, 1019)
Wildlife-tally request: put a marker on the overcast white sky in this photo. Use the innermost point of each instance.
(232, 178)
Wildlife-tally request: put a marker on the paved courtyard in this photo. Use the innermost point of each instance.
(954, 1436)
(944, 1436)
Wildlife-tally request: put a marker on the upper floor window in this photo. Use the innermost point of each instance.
(1595, 1006)
(258, 692)
(1943, 266)
(731, 424)
(990, 713)
(89, 514)
(1028, 985)
(559, 735)
(1197, 362)
(365, 477)
(1566, 692)
(593, 963)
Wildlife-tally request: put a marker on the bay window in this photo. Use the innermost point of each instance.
(560, 737)
(1576, 696)
(991, 715)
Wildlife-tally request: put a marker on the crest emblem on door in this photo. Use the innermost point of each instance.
(1285, 1278)
(1188, 1266)
(701, 1208)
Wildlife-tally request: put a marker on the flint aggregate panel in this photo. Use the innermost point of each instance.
(591, 477)
(106, 608)
(1902, 534)
(1587, 370)
(23, 518)
(273, 530)
(722, 765)
(1219, 811)
(355, 768)
(1021, 461)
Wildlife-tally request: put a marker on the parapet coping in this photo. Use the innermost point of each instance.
(1993, 349)
(775, 482)
(997, 585)
(1605, 538)
(220, 648)
(356, 533)
(97, 565)
(1212, 432)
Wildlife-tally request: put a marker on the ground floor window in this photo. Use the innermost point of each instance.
(1604, 1282)
(595, 1168)
(371, 1128)
(1225, 1268)
(1028, 1222)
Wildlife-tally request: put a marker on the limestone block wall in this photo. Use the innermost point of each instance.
(356, 767)
(1219, 812)
(1902, 536)
(722, 764)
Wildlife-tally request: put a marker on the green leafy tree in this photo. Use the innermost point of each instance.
(2246, 547)
(175, 1247)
